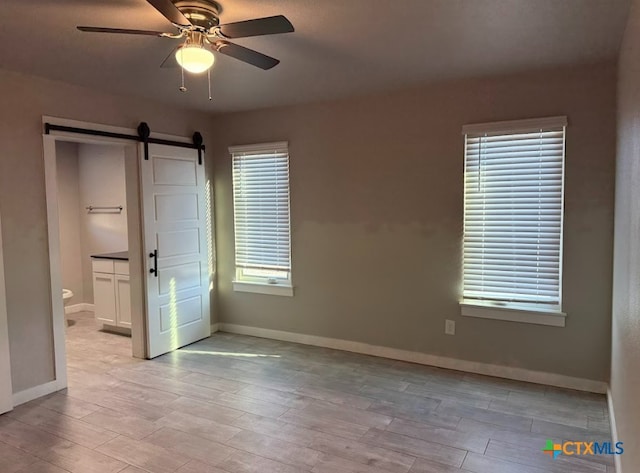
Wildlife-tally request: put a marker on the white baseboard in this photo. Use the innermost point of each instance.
(614, 430)
(115, 329)
(519, 374)
(36, 392)
(215, 328)
(82, 307)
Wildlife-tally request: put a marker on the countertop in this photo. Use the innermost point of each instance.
(119, 255)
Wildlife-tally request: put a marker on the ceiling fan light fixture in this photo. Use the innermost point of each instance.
(195, 58)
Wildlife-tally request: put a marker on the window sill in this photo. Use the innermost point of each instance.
(528, 314)
(263, 288)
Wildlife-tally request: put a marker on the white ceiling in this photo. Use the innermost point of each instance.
(340, 47)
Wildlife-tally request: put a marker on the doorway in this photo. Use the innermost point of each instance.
(62, 156)
(168, 278)
(94, 245)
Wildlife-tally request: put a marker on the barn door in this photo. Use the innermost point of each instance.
(176, 248)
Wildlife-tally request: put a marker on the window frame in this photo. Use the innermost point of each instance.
(255, 283)
(524, 312)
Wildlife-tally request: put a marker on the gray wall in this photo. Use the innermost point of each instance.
(25, 99)
(102, 183)
(625, 358)
(377, 207)
(67, 174)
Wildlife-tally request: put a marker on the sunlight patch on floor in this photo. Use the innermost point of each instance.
(224, 353)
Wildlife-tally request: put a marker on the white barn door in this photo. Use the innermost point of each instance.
(176, 247)
(6, 401)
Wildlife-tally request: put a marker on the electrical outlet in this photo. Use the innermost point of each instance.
(449, 327)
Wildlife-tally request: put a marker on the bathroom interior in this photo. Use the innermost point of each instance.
(94, 238)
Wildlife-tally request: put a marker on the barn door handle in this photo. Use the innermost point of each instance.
(154, 270)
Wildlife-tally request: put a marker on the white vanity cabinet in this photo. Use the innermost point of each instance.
(111, 294)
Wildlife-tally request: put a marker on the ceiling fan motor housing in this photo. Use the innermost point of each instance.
(203, 14)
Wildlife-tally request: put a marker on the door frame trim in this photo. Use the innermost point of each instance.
(139, 333)
(5, 358)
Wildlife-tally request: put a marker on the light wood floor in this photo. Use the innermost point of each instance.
(240, 404)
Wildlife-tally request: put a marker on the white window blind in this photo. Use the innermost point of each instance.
(261, 209)
(513, 211)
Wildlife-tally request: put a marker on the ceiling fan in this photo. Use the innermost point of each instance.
(198, 23)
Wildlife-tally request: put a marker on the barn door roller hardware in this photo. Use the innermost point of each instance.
(143, 136)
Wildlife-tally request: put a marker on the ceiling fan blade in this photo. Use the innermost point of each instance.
(97, 29)
(170, 12)
(246, 55)
(258, 27)
(170, 60)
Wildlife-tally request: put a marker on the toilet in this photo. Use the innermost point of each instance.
(67, 294)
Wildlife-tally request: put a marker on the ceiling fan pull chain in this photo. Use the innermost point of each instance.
(209, 79)
(182, 87)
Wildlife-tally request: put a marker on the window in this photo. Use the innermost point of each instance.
(513, 212)
(261, 218)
